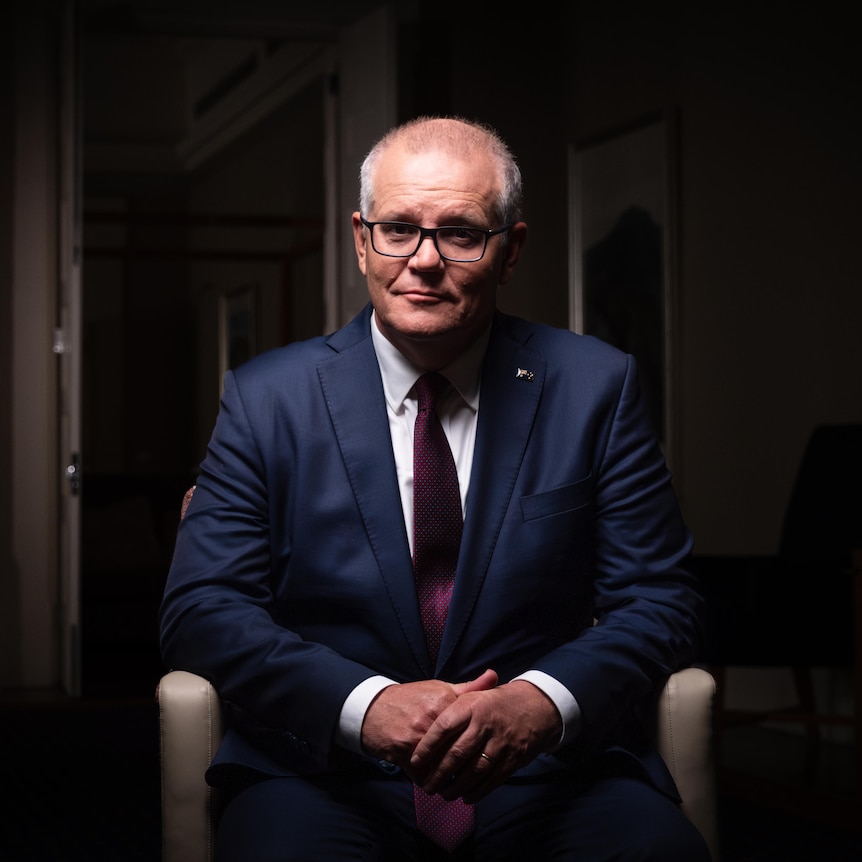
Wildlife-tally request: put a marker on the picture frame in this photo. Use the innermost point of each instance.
(623, 246)
(237, 327)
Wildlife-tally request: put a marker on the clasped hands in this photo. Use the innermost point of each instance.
(461, 739)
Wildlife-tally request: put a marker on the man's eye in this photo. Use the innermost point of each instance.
(464, 236)
(399, 230)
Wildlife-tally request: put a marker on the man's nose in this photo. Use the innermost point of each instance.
(427, 256)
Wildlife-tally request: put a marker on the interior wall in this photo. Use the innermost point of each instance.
(768, 176)
(9, 624)
(30, 565)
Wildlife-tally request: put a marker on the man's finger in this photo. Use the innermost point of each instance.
(488, 679)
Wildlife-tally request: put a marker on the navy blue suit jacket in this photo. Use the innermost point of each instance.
(292, 582)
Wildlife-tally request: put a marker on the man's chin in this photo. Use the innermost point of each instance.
(424, 320)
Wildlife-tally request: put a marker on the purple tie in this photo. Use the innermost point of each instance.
(437, 524)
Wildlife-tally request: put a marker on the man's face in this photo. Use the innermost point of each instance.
(432, 309)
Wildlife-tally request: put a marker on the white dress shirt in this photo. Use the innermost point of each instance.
(458, 410)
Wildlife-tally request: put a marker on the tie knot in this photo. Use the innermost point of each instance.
(428, 389)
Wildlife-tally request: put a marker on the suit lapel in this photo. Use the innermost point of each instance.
(507, 409)
(354, 395)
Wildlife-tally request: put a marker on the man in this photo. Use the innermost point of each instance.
(512, 725)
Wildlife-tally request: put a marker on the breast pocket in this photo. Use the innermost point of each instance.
(566, 498)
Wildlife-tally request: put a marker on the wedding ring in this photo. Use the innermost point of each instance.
(485, 756)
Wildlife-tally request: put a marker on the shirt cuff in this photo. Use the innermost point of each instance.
(348, 734)
(561, 697)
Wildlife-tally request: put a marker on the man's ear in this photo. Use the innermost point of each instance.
(359, 241)
(512, 250)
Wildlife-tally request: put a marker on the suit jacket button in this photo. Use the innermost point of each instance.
(387, 767)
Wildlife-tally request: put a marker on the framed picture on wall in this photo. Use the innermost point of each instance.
(623, 246)
(237, 327)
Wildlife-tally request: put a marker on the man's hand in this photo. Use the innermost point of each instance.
(482, 737)
(400, 715)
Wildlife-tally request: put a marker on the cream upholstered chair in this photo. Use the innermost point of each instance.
(190, 723)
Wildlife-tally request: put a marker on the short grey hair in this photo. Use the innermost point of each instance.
(450, 134)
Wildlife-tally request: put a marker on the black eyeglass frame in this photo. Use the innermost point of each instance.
(432, 232)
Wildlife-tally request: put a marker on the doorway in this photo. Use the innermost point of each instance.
(203, 223)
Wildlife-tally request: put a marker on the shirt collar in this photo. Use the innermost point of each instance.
(399, 375)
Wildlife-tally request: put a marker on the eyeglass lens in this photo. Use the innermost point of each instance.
(453, 243)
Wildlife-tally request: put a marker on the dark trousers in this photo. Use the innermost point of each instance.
(352, 817)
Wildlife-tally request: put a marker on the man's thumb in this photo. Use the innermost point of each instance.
(486, 680)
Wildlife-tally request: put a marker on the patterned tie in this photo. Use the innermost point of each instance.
(437, 524)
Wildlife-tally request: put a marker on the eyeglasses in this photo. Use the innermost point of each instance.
(456, 243)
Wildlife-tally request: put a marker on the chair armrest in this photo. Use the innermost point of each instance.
(190, 729)
(685, 739)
